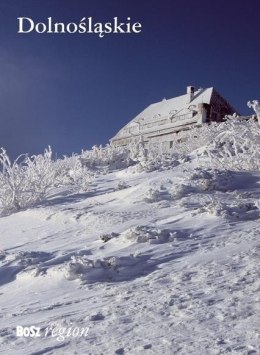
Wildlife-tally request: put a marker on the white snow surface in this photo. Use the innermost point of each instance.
(162, 262)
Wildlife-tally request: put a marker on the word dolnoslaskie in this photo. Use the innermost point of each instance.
(85, 25)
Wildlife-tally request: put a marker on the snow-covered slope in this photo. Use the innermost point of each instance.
(162, 262)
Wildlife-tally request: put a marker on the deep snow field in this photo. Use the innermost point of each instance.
(160, 262)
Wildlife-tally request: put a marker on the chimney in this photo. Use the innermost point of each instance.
(190, 92)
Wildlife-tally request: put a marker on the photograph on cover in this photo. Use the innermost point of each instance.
(129, 177)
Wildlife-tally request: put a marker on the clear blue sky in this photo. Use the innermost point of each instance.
(74, 91)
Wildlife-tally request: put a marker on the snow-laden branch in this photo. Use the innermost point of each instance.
(256, 107)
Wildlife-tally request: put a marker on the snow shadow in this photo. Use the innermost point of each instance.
(14, 263)
(246, 180)
(74, 198)
(8, 274)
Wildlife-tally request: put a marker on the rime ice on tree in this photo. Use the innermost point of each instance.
(256, 107)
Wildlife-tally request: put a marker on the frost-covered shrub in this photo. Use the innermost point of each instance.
(144, 234)
(106, 237)
(256, 107)
(153, 195)
(180, 190)
(216, 208)
(210, 180)
(235, 146)
(157, 162)
(80, 267)
(111, 268)
(156, 195)
(72, 172)
(109, 156)
(144, 159)
(27, 181)
(122, 185)
(230, 145)
(232, 210)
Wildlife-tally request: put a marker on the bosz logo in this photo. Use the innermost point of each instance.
(60, 333)
(28, 332)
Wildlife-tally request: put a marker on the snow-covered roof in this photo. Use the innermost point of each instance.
(180, 104)
(177, 106)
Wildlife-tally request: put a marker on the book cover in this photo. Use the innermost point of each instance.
(129, 177)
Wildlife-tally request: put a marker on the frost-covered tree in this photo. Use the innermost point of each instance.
(256, 107)
(28, 179)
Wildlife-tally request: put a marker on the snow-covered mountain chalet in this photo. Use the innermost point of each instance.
(159, 121)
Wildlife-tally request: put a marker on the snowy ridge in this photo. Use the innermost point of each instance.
(158, 256)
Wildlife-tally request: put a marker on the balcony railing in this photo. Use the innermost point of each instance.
(166, 120)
